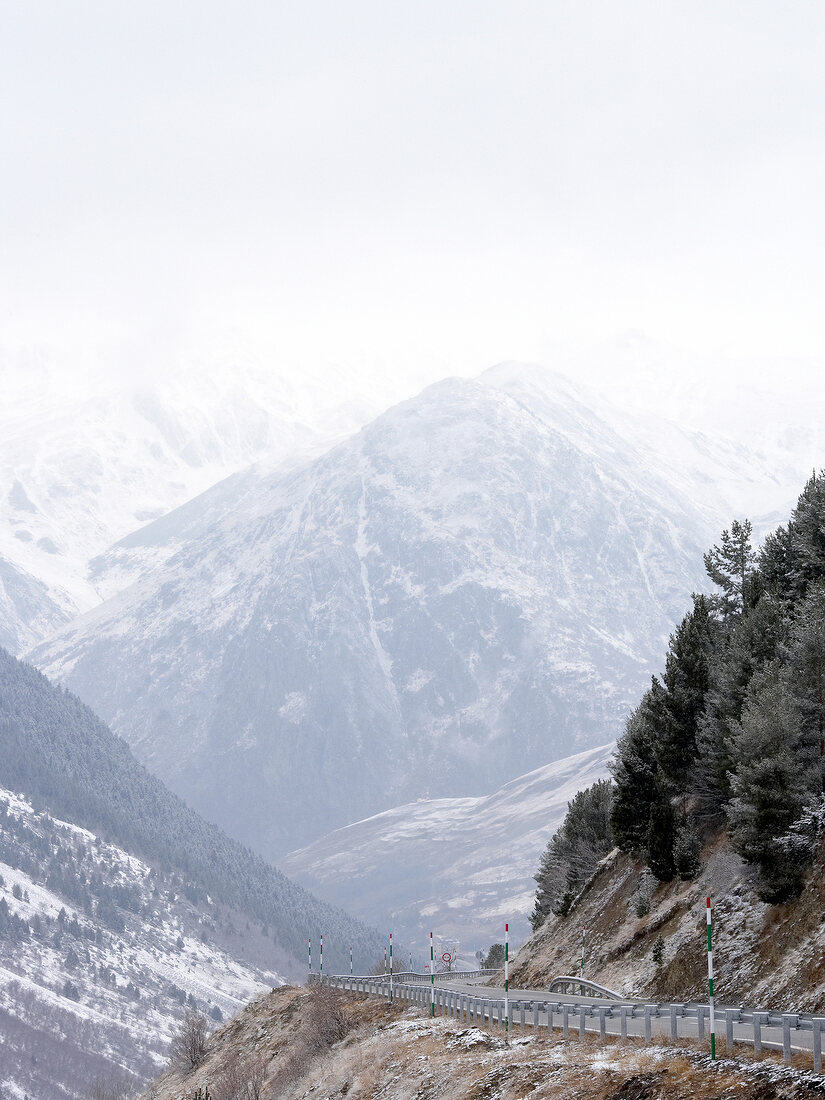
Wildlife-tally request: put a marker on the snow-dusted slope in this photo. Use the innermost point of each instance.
(469, 587)
(458, 866)
(78, 473)
(94, 991)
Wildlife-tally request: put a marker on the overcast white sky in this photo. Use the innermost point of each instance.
(442, 183)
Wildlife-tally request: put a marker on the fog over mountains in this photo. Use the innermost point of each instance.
(434, 606)
(477, 583)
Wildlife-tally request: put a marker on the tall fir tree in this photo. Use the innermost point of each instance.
(730, 565)
(772, 780)
(634, 770)
(686, 681)
(808, 523)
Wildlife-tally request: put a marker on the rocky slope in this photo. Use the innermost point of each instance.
(470, 587)
(764, 954)
(284, 1046)
(461, 866)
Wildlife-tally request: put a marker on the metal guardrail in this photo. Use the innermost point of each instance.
(567, 983)
(740, 1025)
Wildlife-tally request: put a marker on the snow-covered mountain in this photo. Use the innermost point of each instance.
(81, 472)
(99, 953)
(458, 866)
(473, 585)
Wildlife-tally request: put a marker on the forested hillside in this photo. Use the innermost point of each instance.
(730, 739)
(57, 752)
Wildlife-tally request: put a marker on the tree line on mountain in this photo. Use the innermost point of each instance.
(54, 749)
(731, 736)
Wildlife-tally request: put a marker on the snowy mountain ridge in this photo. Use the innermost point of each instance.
(103, 980)
(470, 585)
(462, 866)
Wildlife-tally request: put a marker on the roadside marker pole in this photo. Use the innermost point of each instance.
(432, 977)
(390, 966)
(710, 989)
(350, 962)
(309, 955)
(411, 962)
(506, 980)
(322, 960)
(581, 964)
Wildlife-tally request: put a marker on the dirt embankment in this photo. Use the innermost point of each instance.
(764, 955)
(278, 1049)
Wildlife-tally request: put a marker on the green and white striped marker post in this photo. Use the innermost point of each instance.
(506, 980)
(432, 977)
(322, 960)
(581, 964)
(390, 966)
(710, 989)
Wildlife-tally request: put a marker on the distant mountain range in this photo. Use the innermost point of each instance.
(478, 582)
(461, 867)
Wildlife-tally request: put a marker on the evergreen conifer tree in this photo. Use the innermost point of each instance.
(771, 784)
(730, 567)
(686, 681)
(661, 831)
(634, 771)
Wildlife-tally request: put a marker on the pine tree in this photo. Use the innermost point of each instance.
(584, 837)
(808, 522)
(686, 681)
(771, 783)
(805, 671)
(730, 567)
(661, 831)
(634, 771)
(750, 643)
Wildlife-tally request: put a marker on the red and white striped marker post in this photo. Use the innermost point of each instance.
(390, 965)
(432, 977)
(710, 988)
(506, 980)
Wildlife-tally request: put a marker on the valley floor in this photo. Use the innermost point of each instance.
(297, 1043)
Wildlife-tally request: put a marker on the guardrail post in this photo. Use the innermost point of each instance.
(817, 1036)
(565, 1020)
(603, 1023)
(623, 1020)
(700, 1023)
(582, 1014)
(675, 1012)
(757, 1033)
(788, 1020)
(648, 1011)
(536, 1008)
(522, 1008)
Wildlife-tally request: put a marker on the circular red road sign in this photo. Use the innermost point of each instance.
(447, 957)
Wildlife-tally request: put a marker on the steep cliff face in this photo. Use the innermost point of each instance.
(468, 588)
(772, 955)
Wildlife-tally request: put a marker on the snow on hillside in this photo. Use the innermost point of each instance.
(458, 866)
(467, 588)
(82, 472)
(110, 952)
